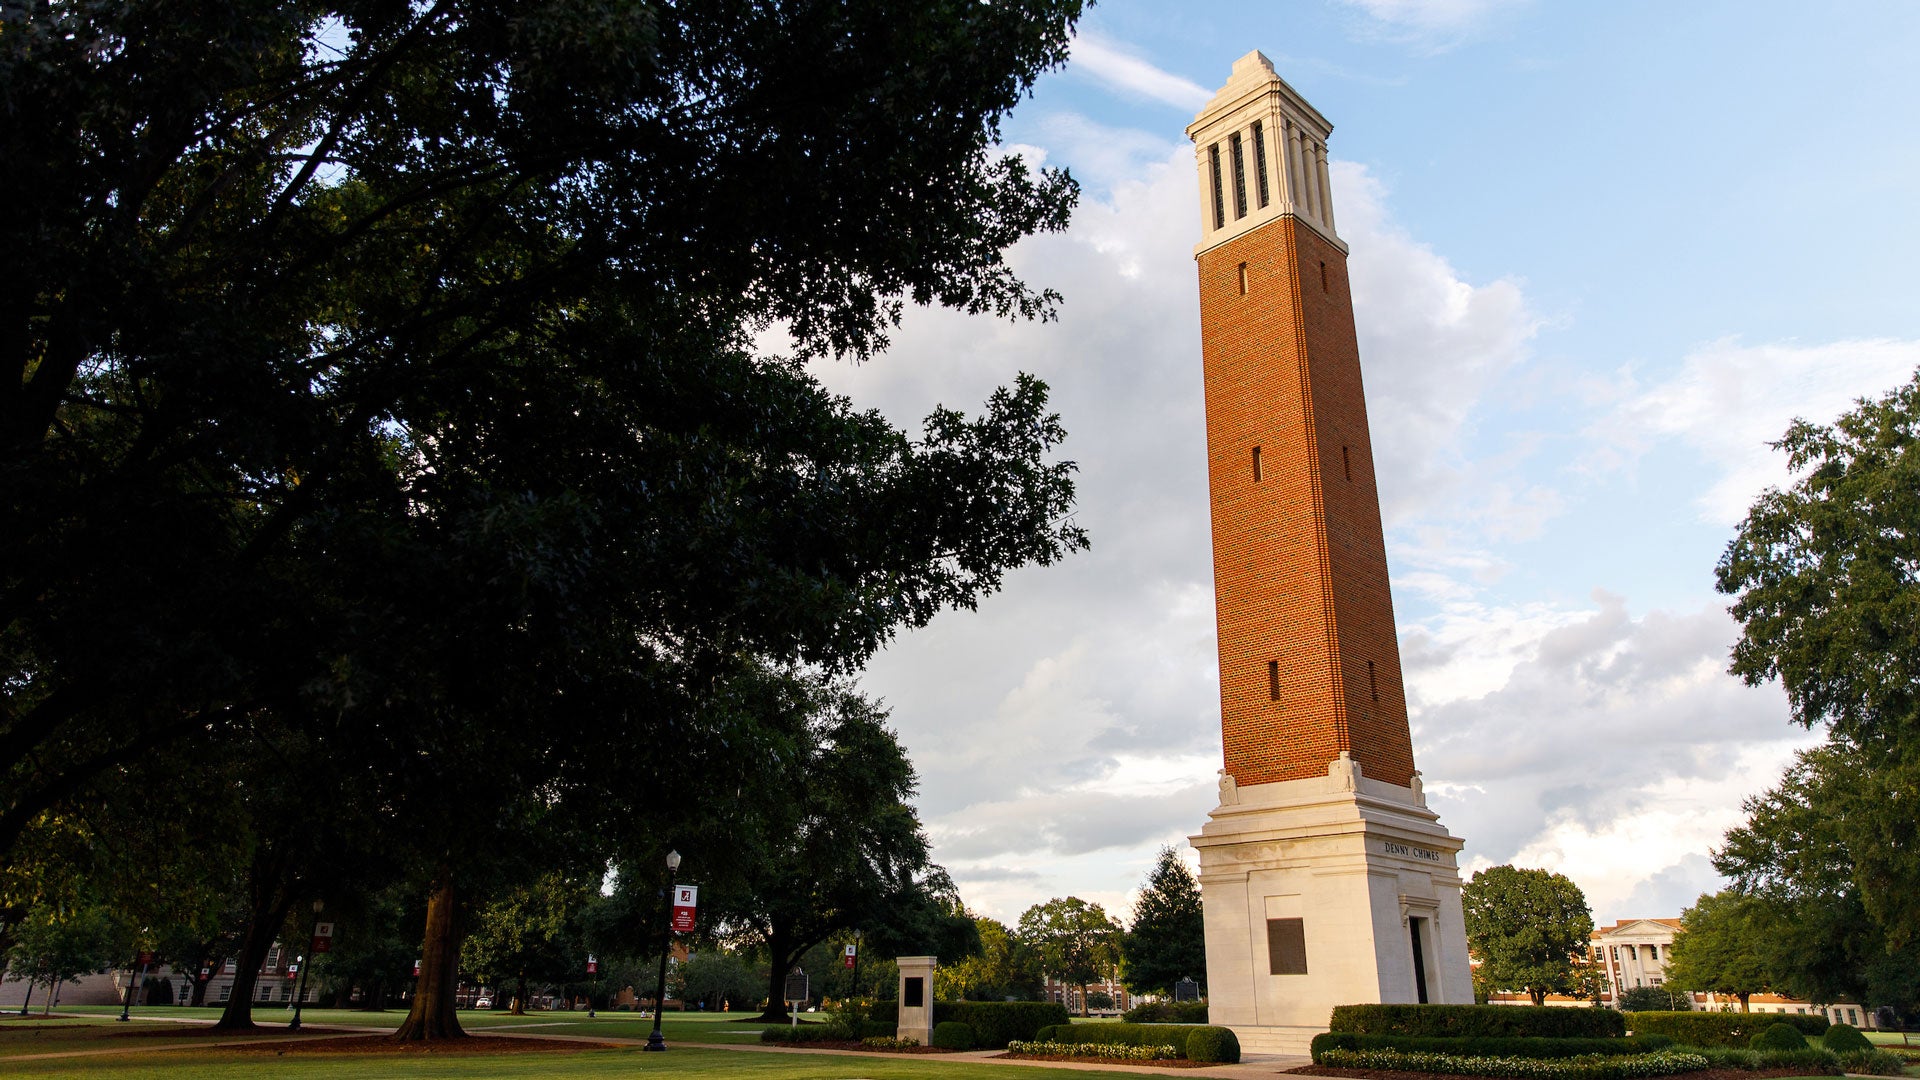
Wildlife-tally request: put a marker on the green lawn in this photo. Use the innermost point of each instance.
(677, 1027)
(684, 1062)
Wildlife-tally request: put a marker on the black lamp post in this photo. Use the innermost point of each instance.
(657, 1041)
(860, 1012)
(132, 981)
(300, 992)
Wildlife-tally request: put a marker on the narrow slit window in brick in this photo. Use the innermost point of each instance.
(1273, 680)
(1256, 464)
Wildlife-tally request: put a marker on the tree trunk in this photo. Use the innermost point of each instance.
(432, 1015)
(374, 997)
(1743, 1000)
(269, 901)
(1538, 997)
(25, 1001)
(520, 996)
(1083, 1001)
(784, 957)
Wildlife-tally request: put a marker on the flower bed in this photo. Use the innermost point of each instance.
(1589, 1067)
(1111, 1051)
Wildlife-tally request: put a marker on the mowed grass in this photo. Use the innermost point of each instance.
(676, 1027)
(685, 1061)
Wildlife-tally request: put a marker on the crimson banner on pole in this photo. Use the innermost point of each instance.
(685, 901)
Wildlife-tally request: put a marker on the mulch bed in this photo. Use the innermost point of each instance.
(1398, 1075)
(381, 1044)
(1158, 1063)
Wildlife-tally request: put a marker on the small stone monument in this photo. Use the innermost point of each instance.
(916, 998)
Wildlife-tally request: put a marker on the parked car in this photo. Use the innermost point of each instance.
(483, 1003)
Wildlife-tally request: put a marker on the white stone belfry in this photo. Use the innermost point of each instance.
(1319, 890)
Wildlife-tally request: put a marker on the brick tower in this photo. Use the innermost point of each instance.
(1327, 880)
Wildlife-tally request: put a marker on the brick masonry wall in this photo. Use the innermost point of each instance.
(1299, 561)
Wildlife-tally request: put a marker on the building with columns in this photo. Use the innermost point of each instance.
(1327, 879)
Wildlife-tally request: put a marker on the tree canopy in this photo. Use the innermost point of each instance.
(1077, 941)
(1167, 940)
(1723, 948)
(1525, 927)
(384, 390)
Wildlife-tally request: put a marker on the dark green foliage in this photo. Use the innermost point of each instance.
(1124, 1034)
(994, 1023)
(1871, 1061)
(1167, 940)
(1653, 998)
(806, 1033)
(1167, 1012)
(1511, 1021)
(1213, 1044)
(1724, 947)
(1076, 940)
(1810, 1061)
(1823, 586)
(1779, 1037)
(1491, 1046)
(1843, 1038)
(953, 1035)
(1525, 926)
(1728, 1029)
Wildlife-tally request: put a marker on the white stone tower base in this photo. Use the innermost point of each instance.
(1317, 894)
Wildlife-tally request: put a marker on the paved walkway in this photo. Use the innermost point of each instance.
(1252, 1065)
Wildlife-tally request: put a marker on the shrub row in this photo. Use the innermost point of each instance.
(1717, 1028)
(1872, 1062)
(1101, 1050)
(1812, 1062)
(1195, 1042)
(1496, 1021)
(953, 1035)
(1167, 1012)
(994, 1023)
(1489, 1046)
(1589, 1067)
(805, 1034)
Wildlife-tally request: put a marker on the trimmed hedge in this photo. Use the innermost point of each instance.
(1845, 1039)
(1213, 1044)
(1720, 1028)
(1872, 1062)
(805, 1034)
(1497, 1021)
(1180, 1036)
(1780, 1037)
(952, 1035)
(1489, 1046)
(1591, 1067)
(1809, 1062)
(994, 1023)
(1166, 1012)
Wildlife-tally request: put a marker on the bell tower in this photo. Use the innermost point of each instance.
(1327, 880)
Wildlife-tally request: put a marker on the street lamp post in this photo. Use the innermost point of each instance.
(306, 962)
(860, 1012)
(126, 1003)
(657, 1041)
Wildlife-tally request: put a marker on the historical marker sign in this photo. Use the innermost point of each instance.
(1186, 990)
(797, 986)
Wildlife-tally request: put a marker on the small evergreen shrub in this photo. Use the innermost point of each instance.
(1508, 1021)
(1490, 1046)
(1213, 1044)
(1872, 1061)
(1166, 1012)
(1780, 1037)
(804, 1034)
(997, 1023)
(1718, 1028)
(1812, 1061)
(952, 1035)
(890, 1042)
(1844, 1039)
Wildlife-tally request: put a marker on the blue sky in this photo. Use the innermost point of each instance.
(1601, 253)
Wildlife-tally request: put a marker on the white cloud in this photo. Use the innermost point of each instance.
(1112, 65)
(1431, 25)
(1729, 401)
